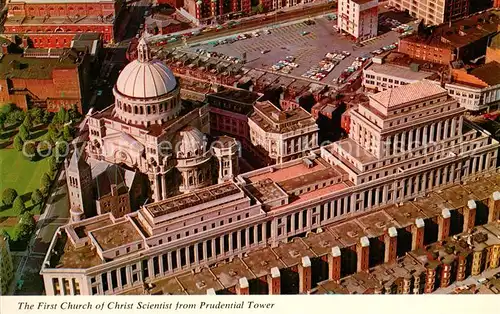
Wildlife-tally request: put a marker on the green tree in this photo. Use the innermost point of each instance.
(30, 150)
(28, 122)
(24, 132)
(36, 197)
(18, 205)
(67, 133)
(18, 143)
(25, 226)
(53, 163)
(8, 196)
(52, 133)
(36, 115)
(45, 181)
(3, 118)
(74, 114)
(7, 108)
(62, 115)
(46, 117)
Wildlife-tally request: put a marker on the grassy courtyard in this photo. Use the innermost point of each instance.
(20, 173)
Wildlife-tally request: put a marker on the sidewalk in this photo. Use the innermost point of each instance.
(29, 250)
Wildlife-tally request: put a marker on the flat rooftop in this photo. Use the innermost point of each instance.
(116, 235)
(462, 32)
(271, 119)
(398, 71)
(265, 190)
(17, 66)
(191, 199)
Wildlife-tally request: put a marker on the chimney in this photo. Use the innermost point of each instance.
(494, 207)
(391, 244)
(469, 215)
(305, 275)
(444, 224)
(25, 42)
(274, 281)
(363, 252)
(334, 264)
(417, 234)
(243, 288)
(5, 48)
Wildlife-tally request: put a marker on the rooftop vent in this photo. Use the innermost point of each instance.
(294, 253)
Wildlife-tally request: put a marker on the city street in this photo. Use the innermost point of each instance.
(56, 214)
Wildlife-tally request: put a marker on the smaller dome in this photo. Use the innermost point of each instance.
(191, 143)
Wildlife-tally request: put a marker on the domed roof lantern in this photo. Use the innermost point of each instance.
(143, 48)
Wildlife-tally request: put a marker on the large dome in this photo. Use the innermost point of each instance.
(145, 78)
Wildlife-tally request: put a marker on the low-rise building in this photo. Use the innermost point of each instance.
(284, 135)
(465, 39)
(47, 79)
(477, 89)
(380, 77)
(359, 18)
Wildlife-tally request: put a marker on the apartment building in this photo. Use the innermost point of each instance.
(359, 18)
(433, 12)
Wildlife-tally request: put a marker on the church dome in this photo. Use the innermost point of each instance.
(191, 143)
(145, 78)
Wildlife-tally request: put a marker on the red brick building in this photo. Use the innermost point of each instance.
(205, 9)
(53, 23)
(464, 39)
(47, 82)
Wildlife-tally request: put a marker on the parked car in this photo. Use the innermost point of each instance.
(304, 33)
(265, 51)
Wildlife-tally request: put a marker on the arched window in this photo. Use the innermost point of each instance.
(154, 109)
(135, 110)
(148, 109)
(200, 177)
(142, 109)
(190, 180)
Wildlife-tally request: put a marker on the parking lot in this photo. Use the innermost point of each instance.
(308, 44)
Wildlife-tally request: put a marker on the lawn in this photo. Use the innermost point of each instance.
(21, 174)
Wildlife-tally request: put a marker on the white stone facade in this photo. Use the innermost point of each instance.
(405, 143)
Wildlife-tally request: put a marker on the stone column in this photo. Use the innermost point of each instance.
(417, 232)
(391, 243)
(444, 224)
(334, 264)
(469, 215)
(363, 253)
(274, 281)
(305, 275)
(243, 288)
(494, 207)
